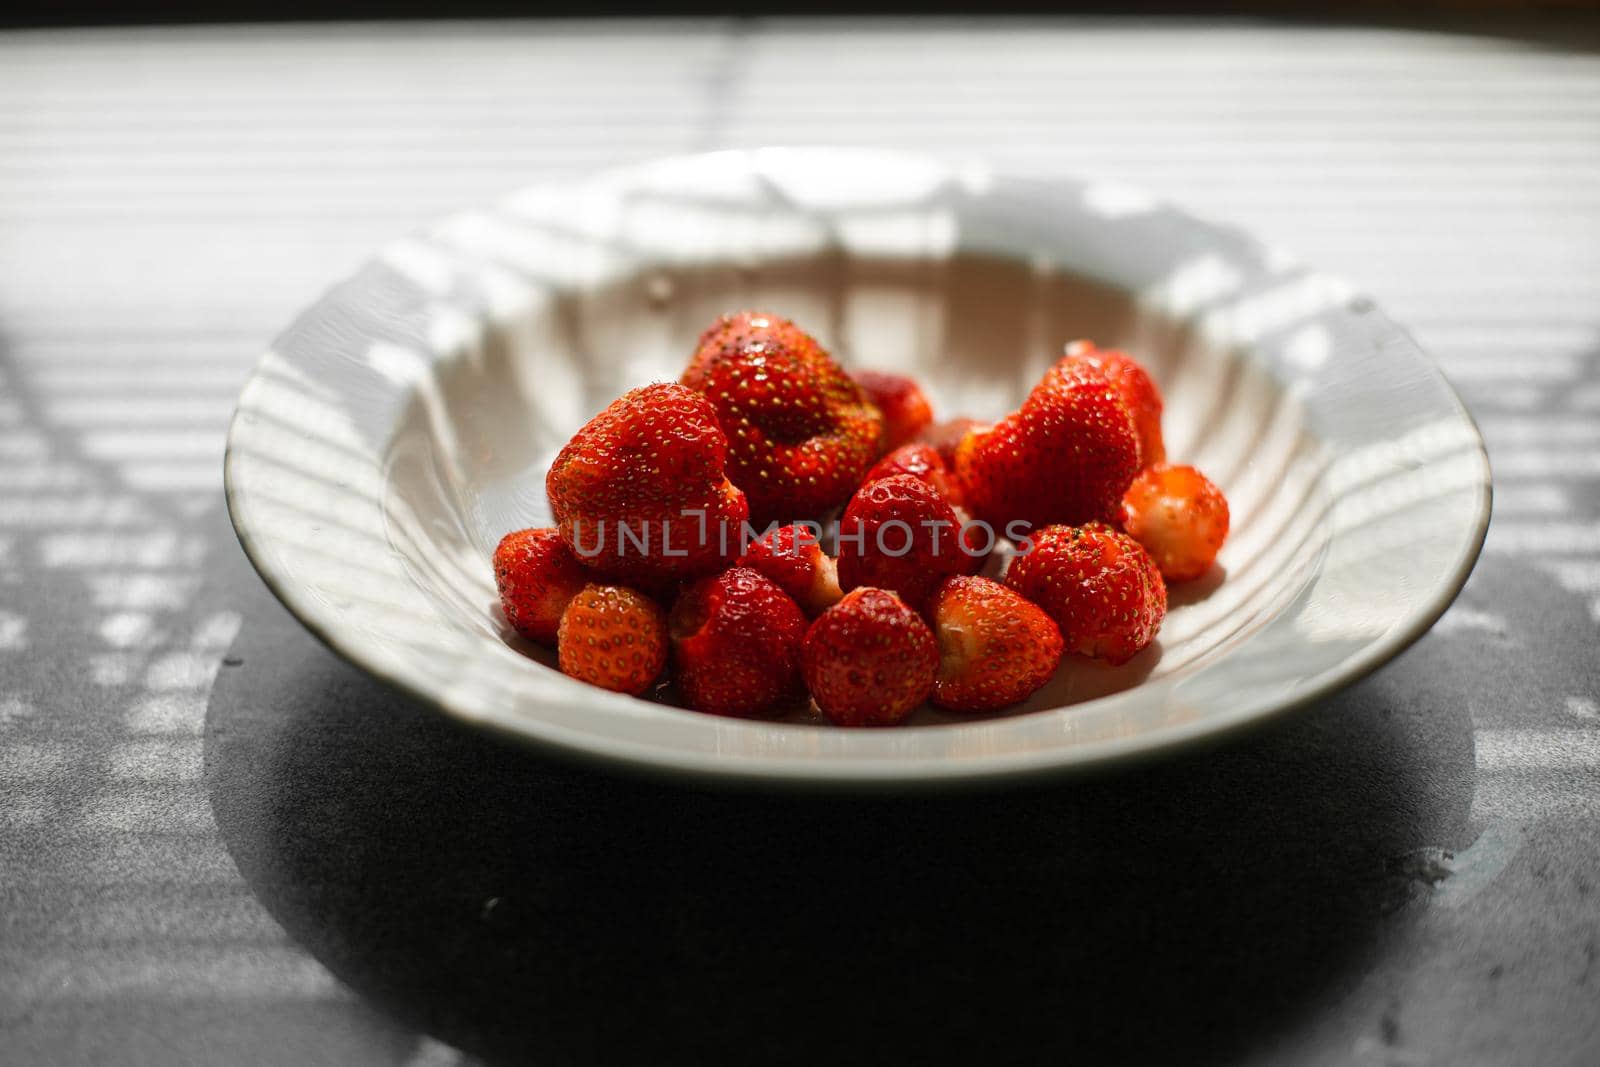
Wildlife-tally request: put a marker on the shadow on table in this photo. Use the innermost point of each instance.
(528, 911)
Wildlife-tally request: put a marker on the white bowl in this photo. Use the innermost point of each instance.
(405, 422)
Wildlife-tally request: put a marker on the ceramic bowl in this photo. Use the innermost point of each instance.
(405, 422)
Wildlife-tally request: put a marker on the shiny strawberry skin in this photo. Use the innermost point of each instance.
(1179, 516)
(653, 463)
(931, 530)
(922, 461)
(1133, 383)
(1065, 457)
(1100, 586)
(996, 648)
(869, 659)
(902, 402)
(536, 575)
(801, 432)
(791, 557)
(613, 637)
(736, 643)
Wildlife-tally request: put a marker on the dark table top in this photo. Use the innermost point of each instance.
(219, 844)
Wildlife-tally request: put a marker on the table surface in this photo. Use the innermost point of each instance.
(218, 844)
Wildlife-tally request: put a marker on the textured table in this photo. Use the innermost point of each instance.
(220, 845)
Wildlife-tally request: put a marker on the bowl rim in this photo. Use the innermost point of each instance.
(624, 754)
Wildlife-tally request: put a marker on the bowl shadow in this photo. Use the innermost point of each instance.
(524, 909)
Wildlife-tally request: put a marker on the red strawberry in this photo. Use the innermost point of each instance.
(924, 462)
(1134, 384)
(1100, 587)
(1066, 456)
(640, 493)
(1180, 518)
(899, 534)
(801, 432)
(736, 643)
(995, 647)
(945, 437)
(613, 637)
(791, 557)
(536, 574)
(904, 406)
(869, 659)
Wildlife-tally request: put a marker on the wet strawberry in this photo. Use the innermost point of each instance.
(801, 432)
(995, 647)
(904, 406)
(1066, 456)
(899, 534)
(640, 493)
(1102, 589)
(1180, 518)
(922, 461)
(536, 575)
(1134, 384)
(613, 637)
(869, 659)
(792, 557)
(945, 437)
(736, 643)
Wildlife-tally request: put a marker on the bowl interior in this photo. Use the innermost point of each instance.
(406, 422)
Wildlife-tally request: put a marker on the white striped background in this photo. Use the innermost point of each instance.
(168, 198)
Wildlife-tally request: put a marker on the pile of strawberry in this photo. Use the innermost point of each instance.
(648, 560)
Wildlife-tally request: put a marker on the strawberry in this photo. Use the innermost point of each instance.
(613, 637)
(869, 659)
(1135, 386)
(640, 492)
(945, 437)
(899, 534)
(1066, 456)
(736, 643)
(904, 406)
(995, 647)
(1100, 587)
(922, 461)
(792, 557)
(536, 574)
(1180, 518)
(801, 432)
